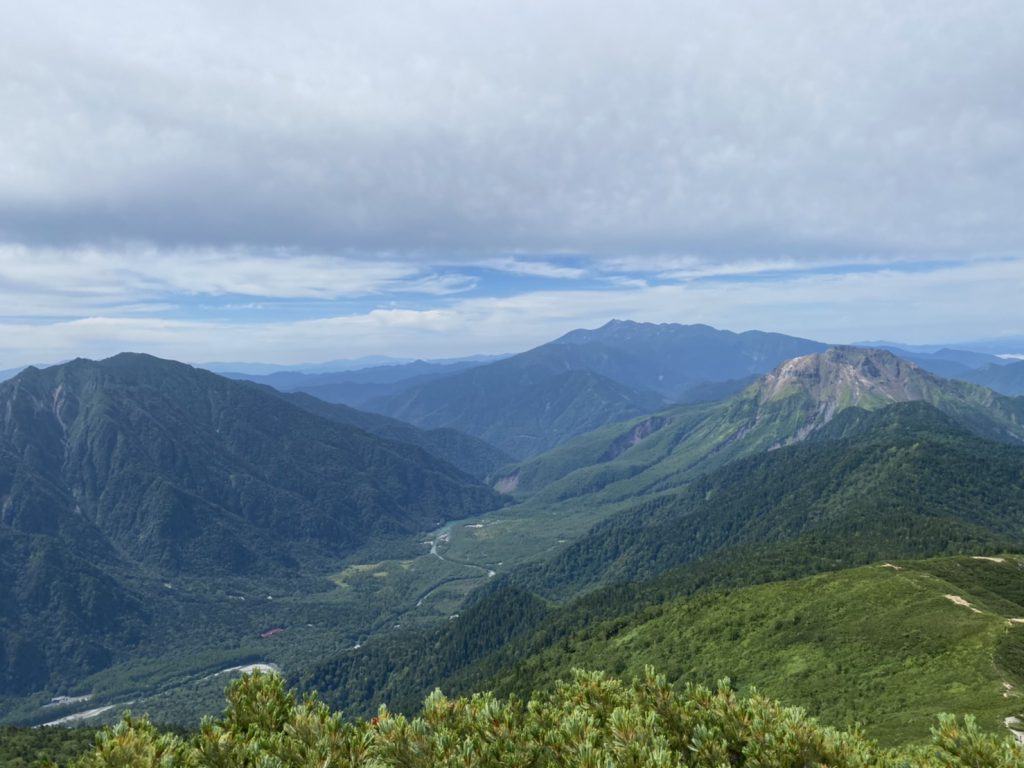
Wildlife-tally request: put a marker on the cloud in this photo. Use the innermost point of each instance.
(75, 281)
(516, 126)
(533, 268)
(438, 177)
(944, 303)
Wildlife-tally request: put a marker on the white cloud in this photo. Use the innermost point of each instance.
(948, 303)
(515, 125)
(402, 151)
(533, 268)
(76, 281)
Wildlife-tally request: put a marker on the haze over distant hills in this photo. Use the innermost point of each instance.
(328, 366)
(356, 387)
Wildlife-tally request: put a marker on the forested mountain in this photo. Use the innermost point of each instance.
(533, 401)
(470, 454)
(904, 481)
(138, 467)
(137, 493)
(901, 482)
(523, 405)
(661, 451)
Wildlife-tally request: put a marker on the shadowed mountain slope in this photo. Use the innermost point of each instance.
(470, 454)
(522, 405)
(1007, 379)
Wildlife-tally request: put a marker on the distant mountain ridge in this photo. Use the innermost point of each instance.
(329, 366)
(673, 359)
(1007, 378)
(533, 401)
(358, 386)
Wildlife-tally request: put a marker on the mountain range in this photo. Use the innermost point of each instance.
(357, 386)
(528, 403)
(636, 492)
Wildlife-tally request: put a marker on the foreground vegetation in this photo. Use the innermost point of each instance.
(594, 720)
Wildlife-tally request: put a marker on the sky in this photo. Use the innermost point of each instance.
(255, 181)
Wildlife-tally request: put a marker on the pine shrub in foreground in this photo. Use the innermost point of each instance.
(593, 721)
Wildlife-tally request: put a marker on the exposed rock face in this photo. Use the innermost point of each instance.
(848, 376)
(826, 383)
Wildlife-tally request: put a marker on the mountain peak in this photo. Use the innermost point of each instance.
(697, 340)
(845, 376)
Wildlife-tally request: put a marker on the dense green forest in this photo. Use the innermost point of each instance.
(905, 481)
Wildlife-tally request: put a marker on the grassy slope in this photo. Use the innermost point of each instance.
(873, 644)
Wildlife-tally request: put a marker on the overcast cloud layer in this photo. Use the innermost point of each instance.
(439, 177)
